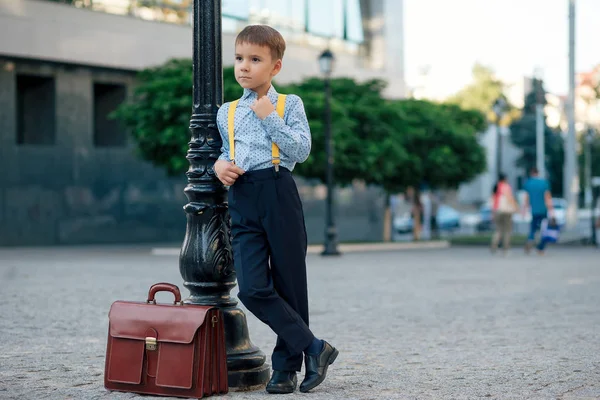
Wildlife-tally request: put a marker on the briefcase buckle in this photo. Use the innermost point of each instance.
(151, 343)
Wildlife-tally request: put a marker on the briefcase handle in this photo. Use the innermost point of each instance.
(164, 287)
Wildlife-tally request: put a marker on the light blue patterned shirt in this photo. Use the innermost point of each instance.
(253, 136)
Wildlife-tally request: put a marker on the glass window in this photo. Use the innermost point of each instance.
(298, 13)
(326, 18)
(235, 9)
(288, 15)
(354, 26)
(107, 131)
(36, 110)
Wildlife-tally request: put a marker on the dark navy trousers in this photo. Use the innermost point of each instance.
(269, 254)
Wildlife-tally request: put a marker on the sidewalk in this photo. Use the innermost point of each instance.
(423, 324)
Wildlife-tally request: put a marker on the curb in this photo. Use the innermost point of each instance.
(343, 248)
(394, 246)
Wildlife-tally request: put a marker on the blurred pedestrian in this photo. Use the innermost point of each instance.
(503, 208)
(539, 199)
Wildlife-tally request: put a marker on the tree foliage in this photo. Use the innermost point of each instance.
(523, 135)
(444, 139)
(158, 115)
(481, 93)
(394, 144)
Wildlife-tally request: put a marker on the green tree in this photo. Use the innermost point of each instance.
(481, 93)
(158, 115)
(359, 128)
(389, 143)
(394, 144)
(523, 135)
(441, 141)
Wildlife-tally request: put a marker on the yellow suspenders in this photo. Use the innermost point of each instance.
(230, 128)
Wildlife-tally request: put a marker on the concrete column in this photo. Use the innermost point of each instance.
(8, 121)
(383, 24)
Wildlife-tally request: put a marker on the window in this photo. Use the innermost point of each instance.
(341, 19)
(108, 132)
(354, 23)
(326, 18)
(275, 12)
(36, 113)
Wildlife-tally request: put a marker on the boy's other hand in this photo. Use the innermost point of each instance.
(227, 172)
(262, 107)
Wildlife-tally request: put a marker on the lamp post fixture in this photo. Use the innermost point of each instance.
(589, 140)
(326, 60)
(499, 108)
(205, 261)
(589, 186)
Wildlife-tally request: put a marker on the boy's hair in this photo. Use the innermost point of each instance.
(263, 35)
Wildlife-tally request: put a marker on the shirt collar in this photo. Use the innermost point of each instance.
(250, 94)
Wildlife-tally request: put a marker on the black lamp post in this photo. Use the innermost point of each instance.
(589, 188)
(205, 261)
(499, 108)
(326, 60)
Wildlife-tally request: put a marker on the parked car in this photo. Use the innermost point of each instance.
(447, 219)
(486, 219)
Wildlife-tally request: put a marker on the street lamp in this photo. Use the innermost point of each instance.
(589, 187)
(589, 139)
(326, 61)
(205, 261)
(499, 108)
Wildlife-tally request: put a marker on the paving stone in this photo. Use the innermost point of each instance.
(453, 323)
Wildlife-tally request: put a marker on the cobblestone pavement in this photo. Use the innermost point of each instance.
(454, 323)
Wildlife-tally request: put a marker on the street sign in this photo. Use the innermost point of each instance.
(596, 181)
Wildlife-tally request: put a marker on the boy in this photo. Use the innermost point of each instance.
(267, 221)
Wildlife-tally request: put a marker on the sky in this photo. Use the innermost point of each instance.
(513, 37)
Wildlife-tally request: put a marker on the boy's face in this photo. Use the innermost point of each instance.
(254, 66)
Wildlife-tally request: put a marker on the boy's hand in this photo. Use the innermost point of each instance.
(227, 172)
(262, 107)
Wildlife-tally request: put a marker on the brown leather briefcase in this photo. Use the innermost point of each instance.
(165, 349)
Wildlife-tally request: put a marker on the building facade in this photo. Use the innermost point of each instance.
(70, 174)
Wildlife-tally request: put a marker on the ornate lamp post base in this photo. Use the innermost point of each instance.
(330, 242)
(245, 362)
(246, 368)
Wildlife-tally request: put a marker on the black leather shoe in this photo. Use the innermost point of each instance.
(282, 382)
(316, 367)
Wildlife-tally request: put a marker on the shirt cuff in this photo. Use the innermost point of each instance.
(273, 122)
(224, 156)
